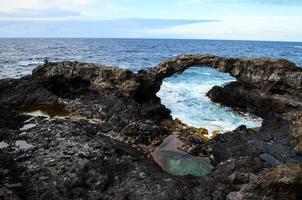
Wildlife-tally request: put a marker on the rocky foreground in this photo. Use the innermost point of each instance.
(101, 148)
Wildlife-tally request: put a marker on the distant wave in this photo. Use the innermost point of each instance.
(28, 63)
(298, 47)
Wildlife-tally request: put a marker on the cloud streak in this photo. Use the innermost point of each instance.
(245, 28)
(42, 9)
(59, 9)
(15, 5)
(88, 28)
(53, 14)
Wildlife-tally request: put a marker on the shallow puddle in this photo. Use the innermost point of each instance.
(46, 110)
(177, 162)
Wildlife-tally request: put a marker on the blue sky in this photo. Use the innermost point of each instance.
(279, 20)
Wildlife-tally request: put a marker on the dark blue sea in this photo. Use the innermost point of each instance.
(19, 56)
(184, 94)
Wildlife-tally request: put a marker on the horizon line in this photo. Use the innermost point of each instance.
(155, 38)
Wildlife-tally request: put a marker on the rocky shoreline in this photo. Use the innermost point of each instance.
(101, 149)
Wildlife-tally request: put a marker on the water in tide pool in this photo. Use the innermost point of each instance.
(183, 94)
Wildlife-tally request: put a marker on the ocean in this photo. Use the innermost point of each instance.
(184, 94)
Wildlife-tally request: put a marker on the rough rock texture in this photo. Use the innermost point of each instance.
(102, 150)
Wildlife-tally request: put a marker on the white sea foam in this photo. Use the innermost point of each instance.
(28, 62)
(185, 95)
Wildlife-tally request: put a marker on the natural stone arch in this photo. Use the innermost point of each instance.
(250, 71)
(269, 88)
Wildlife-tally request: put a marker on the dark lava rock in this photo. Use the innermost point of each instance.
(101, 150)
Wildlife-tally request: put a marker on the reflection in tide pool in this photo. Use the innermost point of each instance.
(185, 95)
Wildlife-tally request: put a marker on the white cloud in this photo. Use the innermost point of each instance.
(43, 9)
(15, 5)
(55, 9)
(244, 28)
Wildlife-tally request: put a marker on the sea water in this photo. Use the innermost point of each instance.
(185, 95)
(19, 56)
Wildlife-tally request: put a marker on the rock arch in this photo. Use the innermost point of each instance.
(260, 72)
(269, 88)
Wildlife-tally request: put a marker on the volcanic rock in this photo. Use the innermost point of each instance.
(101, 149)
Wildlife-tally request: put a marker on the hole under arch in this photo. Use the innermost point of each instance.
(185, 95)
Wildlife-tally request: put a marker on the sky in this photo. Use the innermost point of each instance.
(270, 20)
